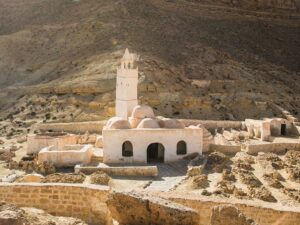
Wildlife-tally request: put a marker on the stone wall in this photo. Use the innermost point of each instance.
(211, 125)
(271, 147)
(262, 213)
(134, 171)
(86, 202)
(73, 127)
(226, 149)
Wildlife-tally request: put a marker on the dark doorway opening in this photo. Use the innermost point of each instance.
(155, 153)
(283, 129)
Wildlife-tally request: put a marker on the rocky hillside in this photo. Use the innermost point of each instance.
(198, 59)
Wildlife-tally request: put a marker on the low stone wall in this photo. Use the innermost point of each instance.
(262, 213)
(73, 127)
(271, 147)
(145, 171)
(226, 149)
(211, 125)
(86, 202)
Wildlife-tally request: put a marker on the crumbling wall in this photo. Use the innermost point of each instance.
(271, 147)
(73, 127)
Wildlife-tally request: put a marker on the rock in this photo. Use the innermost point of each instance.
(239, 193)
(7, 156)
(272, 159)
(206, 193)
(248, 178)
(294, 173)
(292, 157)
(229, 214)
(64, 178)
(22, 139)
(228, 175)
(200, 181)
(13, 165)
(293, 193)
(139, 209)
(100, 177)
(263, 194)
(226, 187)
(243, 165)
(216, 161)
(273, 179)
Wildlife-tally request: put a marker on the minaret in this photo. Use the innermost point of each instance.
(126, 90)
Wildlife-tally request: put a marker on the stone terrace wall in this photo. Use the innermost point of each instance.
(262, 214)
(73, 127)
(86, 202)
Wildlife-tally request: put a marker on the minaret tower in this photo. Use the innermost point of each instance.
(126, 90)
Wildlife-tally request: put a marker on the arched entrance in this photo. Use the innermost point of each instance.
(283, 129)
(155, 153)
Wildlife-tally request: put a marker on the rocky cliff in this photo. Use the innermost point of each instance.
(198, 59)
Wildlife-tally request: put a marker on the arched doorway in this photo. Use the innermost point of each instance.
(181, 148)
(155, 153)
(127, 149)
(283, 129)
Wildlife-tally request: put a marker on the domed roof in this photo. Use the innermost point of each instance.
(148, 123)
(142, 111)
(171, 123)
(117, 123)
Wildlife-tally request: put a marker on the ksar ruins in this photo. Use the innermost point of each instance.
(157, 112)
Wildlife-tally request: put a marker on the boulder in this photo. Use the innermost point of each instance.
(139, 209)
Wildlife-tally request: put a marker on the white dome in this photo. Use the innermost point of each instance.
(148, 123)
(117, 123)
(134, 122)
(142, 111)
(171, 124)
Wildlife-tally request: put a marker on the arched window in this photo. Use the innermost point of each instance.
(181, 148)
(127, 149)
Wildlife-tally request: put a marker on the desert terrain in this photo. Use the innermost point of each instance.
(204, 60)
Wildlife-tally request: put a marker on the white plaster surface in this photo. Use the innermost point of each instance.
(70, 155)
(142, 138)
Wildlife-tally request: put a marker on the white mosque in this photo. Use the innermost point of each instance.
(136, 135)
